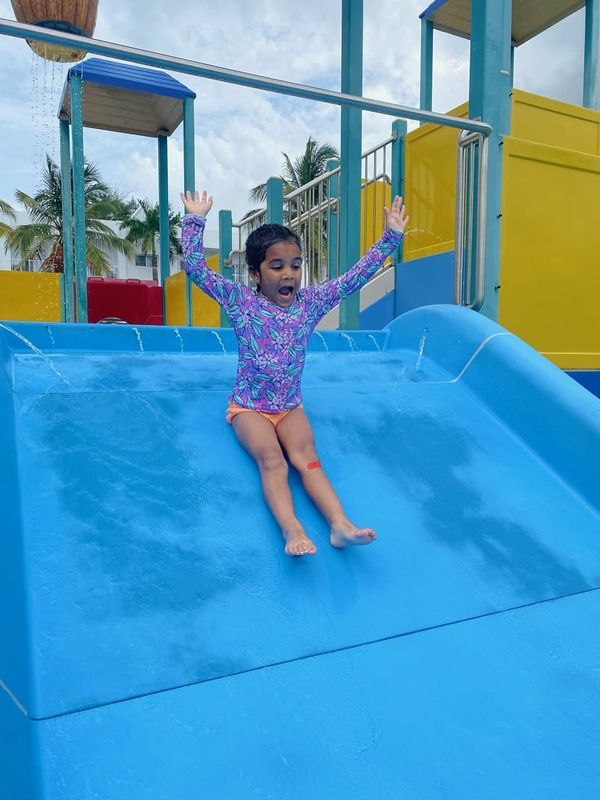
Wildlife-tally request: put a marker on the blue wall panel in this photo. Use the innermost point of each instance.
(590, 378)
(379, 314)
(425, 281)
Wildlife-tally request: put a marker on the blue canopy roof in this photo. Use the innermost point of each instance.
(127, 98)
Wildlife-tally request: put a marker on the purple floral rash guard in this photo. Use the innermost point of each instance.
(272, 341)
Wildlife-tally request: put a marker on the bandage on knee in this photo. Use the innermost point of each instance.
(314, 465)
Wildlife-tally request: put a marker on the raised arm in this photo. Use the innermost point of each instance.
(227, 293)
(325, 296)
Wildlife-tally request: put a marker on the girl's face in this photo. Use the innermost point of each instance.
(280, 273)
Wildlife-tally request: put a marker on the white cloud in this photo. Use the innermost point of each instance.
(240, 133)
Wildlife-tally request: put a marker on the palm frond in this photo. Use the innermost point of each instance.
(7, 209)
(97, 260)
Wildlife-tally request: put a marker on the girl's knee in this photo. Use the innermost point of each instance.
(272, 461)
(303, 457)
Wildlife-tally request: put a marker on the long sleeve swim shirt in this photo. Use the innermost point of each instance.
(272, 341)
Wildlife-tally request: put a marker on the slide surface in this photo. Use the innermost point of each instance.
(155, 642)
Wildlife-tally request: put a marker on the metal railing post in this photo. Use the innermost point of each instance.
(275, 201)
(399, 129)
(470, 228)
(225, 247)
(67, 220)
(332, 218)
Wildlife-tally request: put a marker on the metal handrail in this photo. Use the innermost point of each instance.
(187, 66)
(250, 218)
(466, 215)
(311, 184)
(379, 146)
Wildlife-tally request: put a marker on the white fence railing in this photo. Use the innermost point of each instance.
(311, 211)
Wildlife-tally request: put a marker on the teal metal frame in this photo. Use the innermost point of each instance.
(189, 178)
(426, 84)
(591, 85)
(76, 89)
(163, 205)
(399, 130)
(68, 313)
(225, 248)
(350, 152)
(73, 207)
(332, 220)
(489, 99)
(350, 100)
(275, 201)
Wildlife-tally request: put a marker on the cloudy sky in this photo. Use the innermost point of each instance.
(241, 133)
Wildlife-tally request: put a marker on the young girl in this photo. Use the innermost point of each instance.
(273, 325)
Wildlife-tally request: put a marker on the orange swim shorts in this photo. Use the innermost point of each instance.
(274, 419)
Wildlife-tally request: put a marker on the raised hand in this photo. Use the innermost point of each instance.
(395, 217)
(196, 204)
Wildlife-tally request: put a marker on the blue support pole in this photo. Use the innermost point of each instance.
(591, 87)
(350, 151)
(489, 99)
(275, 201)
(399, 129)
(67, 220)
(426, 84)
(189, 176)
(76, 88)
(225, 248)
(332, 221)
(163, 223)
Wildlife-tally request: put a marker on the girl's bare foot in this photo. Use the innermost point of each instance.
(297, 543)
(344, 533)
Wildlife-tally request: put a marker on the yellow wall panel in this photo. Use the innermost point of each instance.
(205, 310)
(540, 119)
(430, 188)
(374, 197)
(30, 296)
(175, 299)
(550, 269)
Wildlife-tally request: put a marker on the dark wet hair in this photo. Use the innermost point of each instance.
(262, 238)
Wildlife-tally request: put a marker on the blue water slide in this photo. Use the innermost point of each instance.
(155, 642)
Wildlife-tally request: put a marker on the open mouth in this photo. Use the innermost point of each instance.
(286, 291)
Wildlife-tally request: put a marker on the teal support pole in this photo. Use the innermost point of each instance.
(225, 248)
(189, 177)
(275, 201)
(332, 220)
(163, 222)
(79, 197)
(426, 84)
(67, 220)
(489, 99)
(350, 151)
(61, 290)
(399, 129)
(591, 93)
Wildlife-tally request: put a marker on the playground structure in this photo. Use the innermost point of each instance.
(148, 615)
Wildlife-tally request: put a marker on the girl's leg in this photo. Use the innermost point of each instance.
(258, 436)
(296, 436)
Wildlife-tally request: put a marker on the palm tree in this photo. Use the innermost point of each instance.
(295, 174)
(45, 232)
(146, 231)
(304, 169)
